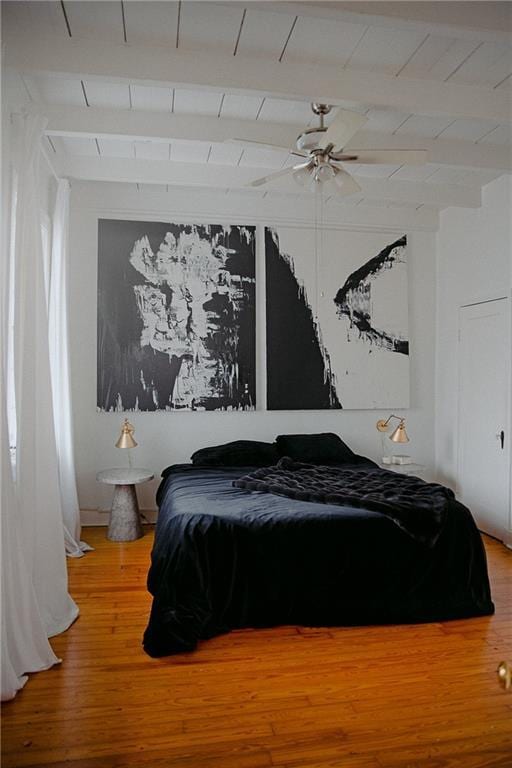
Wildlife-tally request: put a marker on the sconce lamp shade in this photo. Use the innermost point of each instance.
(400, 435)
(126, 437)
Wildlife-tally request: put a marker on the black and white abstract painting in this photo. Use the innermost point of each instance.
(176, 316)
(337, 319)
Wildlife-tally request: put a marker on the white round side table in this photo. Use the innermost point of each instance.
(124, 522)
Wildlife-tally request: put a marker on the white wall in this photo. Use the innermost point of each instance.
(474, 264)
(166, 438)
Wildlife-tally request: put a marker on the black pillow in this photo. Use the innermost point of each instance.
(325, 447)
(239, 453)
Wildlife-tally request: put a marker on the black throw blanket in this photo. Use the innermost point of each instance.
(417, 507)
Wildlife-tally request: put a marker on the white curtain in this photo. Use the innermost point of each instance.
(33, 552)
(25, 646)
(60, 375)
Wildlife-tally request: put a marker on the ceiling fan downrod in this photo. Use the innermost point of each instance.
(321, 110)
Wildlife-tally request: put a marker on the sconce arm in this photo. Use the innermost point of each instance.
(382, 424)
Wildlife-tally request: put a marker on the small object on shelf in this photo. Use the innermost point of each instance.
(419, 470)
(401, 459)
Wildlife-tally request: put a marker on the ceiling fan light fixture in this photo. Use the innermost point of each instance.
(340, 178)
(302, 175)
(323, 148)
(344, 183)
(324, 173)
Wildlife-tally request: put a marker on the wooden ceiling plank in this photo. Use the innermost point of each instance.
(150, 98)
(423, 125)
(484, 60)
(464, 20)
(150, 23)
(149, 150)
(338, 40)
(99, 21)
(80, 147)
(187, 102)
(286, 111)
(235, 105)
(502, 136)
(453, 58)
(47, 90)
(207, 26)
(385, 50)
(115, 95)
(116, 148)
(426, 57)
(467, 130)
(264, 34)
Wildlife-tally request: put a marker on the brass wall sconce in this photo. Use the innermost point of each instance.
(126, 439)
(399, 435)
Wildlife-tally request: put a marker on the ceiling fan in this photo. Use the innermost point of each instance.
(324, 154)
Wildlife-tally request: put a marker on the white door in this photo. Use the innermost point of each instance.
(484, 435)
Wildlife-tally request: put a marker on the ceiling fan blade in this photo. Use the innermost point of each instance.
(342, 128)
(256, 145)
(388, 156)
(272, 176)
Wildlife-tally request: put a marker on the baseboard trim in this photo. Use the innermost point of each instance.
(95, 517)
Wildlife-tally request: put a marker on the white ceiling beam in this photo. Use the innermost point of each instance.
(235, 177)
(138, 125)
(92, 59)
(134, 125)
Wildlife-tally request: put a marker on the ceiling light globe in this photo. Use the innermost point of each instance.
(340, 178)
(302, 175)
(324, 172)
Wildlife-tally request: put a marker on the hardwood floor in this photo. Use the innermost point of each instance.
(374, 697)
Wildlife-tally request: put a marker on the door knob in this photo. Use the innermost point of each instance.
(501, 437)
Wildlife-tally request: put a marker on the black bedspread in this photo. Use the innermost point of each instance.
(226, 558)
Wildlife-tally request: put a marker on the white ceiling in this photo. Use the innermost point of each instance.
(99, 111)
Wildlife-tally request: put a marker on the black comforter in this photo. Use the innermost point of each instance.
(225, 558)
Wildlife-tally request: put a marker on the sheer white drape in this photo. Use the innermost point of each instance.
(60, 375)
(25, 646)
(36, 603)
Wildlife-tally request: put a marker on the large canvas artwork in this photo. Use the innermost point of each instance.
(337, 320)
(176, 316)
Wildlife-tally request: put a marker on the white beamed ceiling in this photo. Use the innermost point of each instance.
(106, 117)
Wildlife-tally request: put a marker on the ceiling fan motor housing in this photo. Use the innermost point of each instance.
(321, 109)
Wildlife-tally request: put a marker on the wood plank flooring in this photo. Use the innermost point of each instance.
(422, 696)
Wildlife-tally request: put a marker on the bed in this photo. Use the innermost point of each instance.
(226, 557)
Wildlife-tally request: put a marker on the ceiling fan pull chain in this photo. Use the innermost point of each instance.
(318, 245)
